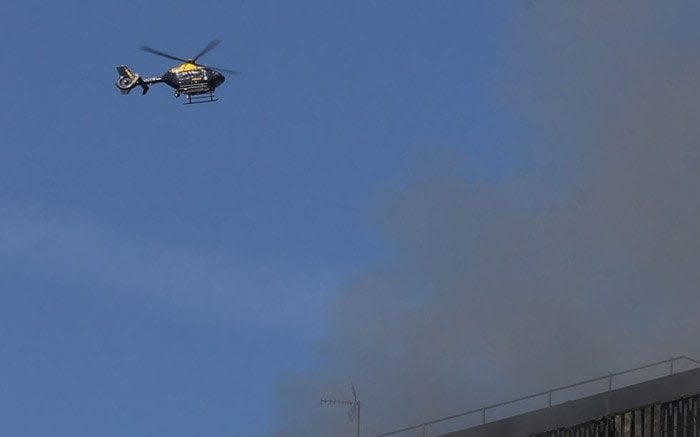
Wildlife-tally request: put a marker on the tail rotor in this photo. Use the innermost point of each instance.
(128, 80)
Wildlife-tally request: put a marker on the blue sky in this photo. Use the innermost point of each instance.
(163, 266)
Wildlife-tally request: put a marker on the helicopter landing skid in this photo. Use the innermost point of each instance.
(200, 98)
(197, 101)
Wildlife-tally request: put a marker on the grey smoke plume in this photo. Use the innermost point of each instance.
(583, 261)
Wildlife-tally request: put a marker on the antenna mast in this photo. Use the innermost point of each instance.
(354, 412)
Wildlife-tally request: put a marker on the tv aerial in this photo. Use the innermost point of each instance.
(354, 404)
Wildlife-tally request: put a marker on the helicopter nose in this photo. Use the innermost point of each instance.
(218, 78)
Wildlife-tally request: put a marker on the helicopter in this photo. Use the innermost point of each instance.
(195, 80)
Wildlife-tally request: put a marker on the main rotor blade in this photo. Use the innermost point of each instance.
(163, 54)
(223, 69)
(209, 46)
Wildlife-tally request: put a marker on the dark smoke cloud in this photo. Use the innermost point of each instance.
(584, 260)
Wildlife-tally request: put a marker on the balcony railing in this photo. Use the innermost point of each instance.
(554, 396)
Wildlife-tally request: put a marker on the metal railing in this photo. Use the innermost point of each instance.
(484, 411)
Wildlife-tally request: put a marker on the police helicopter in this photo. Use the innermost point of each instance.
(195, 80)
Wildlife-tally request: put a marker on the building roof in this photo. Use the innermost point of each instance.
(581, 410)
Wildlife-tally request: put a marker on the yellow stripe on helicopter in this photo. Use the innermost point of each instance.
(187, 66)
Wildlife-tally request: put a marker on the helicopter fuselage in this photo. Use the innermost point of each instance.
(192, 79)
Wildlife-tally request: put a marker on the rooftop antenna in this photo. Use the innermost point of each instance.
(354, 412)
